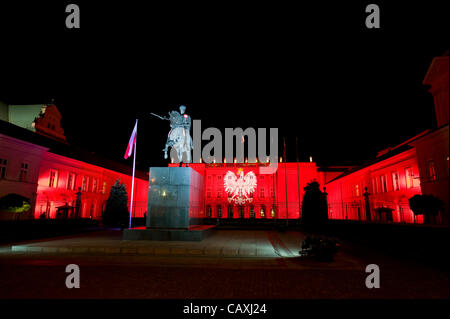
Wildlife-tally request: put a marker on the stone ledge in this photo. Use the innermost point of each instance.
(194, 233)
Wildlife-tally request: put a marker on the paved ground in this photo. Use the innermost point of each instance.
(222, 243)
(229, 264)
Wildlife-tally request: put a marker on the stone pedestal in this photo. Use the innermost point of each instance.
(175, 198)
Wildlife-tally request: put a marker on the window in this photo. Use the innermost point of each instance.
(53, 180)
(23, 172)
(241, 211)
(272, 212)
(431, 170)
(263, 211)
(71, 179)
(383, 180)
(230, 211)
(208, 193)
(3, 164)
(261, 193)
(208, 211)
(46, 212)
(219, 211)
(252, 212)
(219, 177)
(219, 194)
(374, 185)
(92, 210)
(409, 177)
(94, 185)
(356, 190)
(104, 188)
(85, 183)
(395, 181)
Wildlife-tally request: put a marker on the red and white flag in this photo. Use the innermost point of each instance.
(131, 142)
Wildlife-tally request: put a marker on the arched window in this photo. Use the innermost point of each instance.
(252, 211)
(241, 211)
(431, 171)
(263, 211)
(409, 177)
(92, 211)
(230, 211)
(208, 211)
(272, 212)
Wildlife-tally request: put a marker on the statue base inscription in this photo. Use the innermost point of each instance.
(175, 200)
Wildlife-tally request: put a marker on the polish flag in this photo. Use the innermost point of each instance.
(131, 142)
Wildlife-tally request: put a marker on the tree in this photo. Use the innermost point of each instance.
(315, 210)
(426, 205)
(116, 210)
(15, 203)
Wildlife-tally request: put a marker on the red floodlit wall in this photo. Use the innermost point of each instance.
(433, 159)
(13, 180)
(390, 183)
(277, 195)
(60, 178)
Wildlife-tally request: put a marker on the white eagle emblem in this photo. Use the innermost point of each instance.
(239, 188)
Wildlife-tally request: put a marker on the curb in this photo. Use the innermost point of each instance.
(153, 251)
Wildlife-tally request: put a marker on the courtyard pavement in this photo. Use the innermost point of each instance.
(232, 264)
(257, 248)
(220, 243)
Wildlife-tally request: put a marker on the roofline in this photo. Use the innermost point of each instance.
(36, 139)
(370, 163)
(418, 136)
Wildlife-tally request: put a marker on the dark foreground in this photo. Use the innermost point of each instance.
(42, 275)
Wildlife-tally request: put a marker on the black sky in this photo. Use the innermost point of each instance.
(313, 71)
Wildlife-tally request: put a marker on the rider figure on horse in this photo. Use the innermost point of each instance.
(179, 135)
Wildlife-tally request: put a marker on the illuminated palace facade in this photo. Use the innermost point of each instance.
(388, 182)
(271, 196)
(379, 190)
(37, 162)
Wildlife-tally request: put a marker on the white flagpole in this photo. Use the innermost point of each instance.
(132, 180)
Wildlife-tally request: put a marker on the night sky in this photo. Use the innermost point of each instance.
(313, 71)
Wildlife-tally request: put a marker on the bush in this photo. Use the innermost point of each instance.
(427, 205)
(322, 249)
(116, 210)
(15, 203)
(315, 210)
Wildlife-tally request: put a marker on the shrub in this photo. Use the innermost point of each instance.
(427, 205)
(322, 249)
(116, 210)
(315, 210)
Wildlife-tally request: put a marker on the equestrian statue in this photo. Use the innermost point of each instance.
(179, 137)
